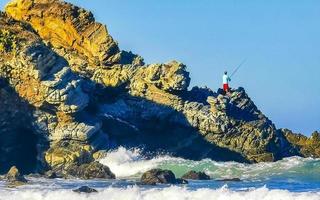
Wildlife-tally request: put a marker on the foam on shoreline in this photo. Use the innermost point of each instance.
(170, 193)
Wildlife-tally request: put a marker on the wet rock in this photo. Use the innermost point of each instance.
(34, 175)
(93, 170)
(229, 180)
(85, 189)
(181, 181)
(63, 154)
(193, 175)
(53, 175)
(159, 176)
(14, 178)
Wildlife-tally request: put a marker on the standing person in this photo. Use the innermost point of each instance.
(225, 81)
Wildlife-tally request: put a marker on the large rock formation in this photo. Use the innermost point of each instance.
(80, 93)
(56, 96)
(307, 147)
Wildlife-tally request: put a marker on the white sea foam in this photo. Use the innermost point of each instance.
(170, 193)
(126, 163)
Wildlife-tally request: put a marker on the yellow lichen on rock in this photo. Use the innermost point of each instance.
(308, 147)
(88, 95)
(63, 154)
(67, 26)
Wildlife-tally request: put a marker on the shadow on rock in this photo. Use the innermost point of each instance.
(159, 176)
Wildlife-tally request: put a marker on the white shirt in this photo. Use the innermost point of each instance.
(225, 79)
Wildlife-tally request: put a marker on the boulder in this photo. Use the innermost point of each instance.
(85, 189)
(193, 175)
(218, 104)
(160, 176)
(14, 178)
(53, 175)
(63, 154)
(93, 170)
(171, 76)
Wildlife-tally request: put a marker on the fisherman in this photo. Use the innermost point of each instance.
(225, 81)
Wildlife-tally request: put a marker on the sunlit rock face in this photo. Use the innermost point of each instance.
(83, 94)
(45, 82)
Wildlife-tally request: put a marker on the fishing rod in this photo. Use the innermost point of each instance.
(235, 71)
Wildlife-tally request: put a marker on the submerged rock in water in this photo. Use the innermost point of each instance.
(91, 170)
(85, 189)
(229, 179)
(53, 175)
(193, 175)
(160, 176)
(14, 178)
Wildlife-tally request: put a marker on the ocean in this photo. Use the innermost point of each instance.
(288, 179)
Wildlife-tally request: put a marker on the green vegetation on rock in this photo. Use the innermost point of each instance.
(8, 41)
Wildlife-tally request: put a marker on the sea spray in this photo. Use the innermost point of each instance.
(168, 193)
(131, 163)
(293, 178)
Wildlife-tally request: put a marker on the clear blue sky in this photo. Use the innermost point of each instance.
(281, 40)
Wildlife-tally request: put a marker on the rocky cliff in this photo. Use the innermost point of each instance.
(68, 92)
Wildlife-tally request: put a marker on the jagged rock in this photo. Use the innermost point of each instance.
(85, 189)
(78, 93)
(14, 178)
(99, 154)
(68, 26)
(307, 147)
(168, 77)
(198, 94)
(159, 83)
(17, 133)
(64, 154)
(159, 176)
(219, 104)
(91, 170)
(52, 175)
(44, 79)
(75, 130)
(193, 175)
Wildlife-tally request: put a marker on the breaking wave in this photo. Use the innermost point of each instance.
(292, 178)
(169, 193)
(131, 163)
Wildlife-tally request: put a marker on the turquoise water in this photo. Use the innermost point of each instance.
(291, 178)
